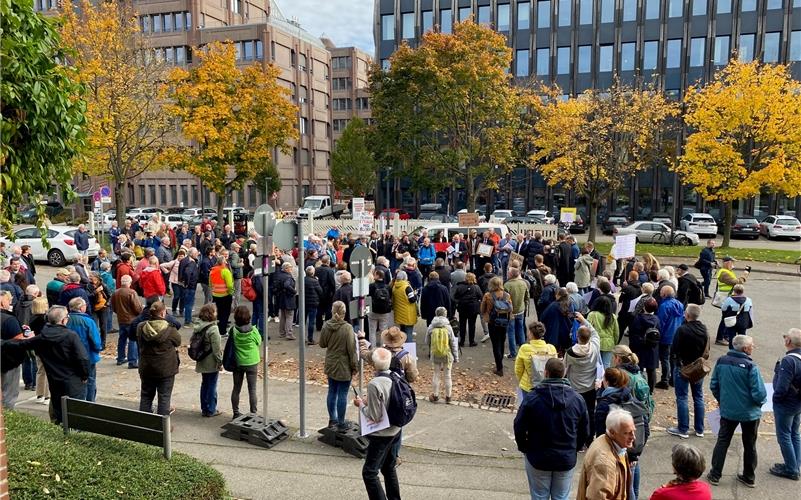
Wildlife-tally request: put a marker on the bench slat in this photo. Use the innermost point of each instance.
(120, 415)
(116, 429)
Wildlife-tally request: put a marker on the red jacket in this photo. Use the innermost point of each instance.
(152, 283)
(122, 270)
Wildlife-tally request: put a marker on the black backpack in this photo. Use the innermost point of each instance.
(395, 364)
(652, 337)
(198, 347)
(402, 404)
(382, 300)
(694, 294)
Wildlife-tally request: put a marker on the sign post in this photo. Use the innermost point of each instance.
(360, 263)
(302, 334)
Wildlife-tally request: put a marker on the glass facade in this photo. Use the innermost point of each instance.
(407, 25)
(584, 59)
(544, 14)
(503, 22)
(673, 56)
(585, 12)
(543, 62)
(521, 63)
(446, 20)
(650, 57)
(627, 56)
(721, 56)
(697, 48)
(770, 48)
(388, 27)
(605, 58)
(565, 12)
(563, 61)
(523, 15)
(629, 10)
(607, 11)
(746, 51)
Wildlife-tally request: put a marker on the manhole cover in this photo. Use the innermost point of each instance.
(499, 401)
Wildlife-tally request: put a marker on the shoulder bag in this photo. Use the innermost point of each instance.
(731, 321)
(699, 368)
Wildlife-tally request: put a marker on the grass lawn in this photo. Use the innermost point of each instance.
(691, 253)
(44, 463)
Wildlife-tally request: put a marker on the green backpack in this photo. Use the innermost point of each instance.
(641, 391)
(440, 342)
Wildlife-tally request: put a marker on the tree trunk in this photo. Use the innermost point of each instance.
(727, 208)
(592, 209)
(220, 205)
(119, 201)
(470, 189)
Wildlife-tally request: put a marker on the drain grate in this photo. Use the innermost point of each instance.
(500, 401)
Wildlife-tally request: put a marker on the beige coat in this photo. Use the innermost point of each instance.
(603, 475)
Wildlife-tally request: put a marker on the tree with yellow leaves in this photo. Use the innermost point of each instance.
(234, 118)
(745, 135)
(127, 129)
(595, 142)
(446, 111)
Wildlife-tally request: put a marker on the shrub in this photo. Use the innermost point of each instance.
(43, 462)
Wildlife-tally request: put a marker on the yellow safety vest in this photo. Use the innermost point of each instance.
(723, 287)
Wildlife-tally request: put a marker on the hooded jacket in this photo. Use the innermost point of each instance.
(523, 360)
(671, 315)
(246, 339)
(581, 362)
(158, 344)
(442, 322)
(152, 283)
(87, 330)
(738, 387)
(552, 425)
(339, 342)
(607, 397)
(213, 341)
(63, 356)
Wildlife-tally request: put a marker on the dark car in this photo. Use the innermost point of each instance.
(389, 213)
(743, 226)
(52, 208)
(578, 225)
(612, 220)
(662, 217)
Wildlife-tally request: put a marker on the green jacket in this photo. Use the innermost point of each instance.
(609, 335)
(339, 342)
(211, 336)
(518, 290)
(247, 340)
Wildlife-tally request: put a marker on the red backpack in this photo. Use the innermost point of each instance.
(247, 289)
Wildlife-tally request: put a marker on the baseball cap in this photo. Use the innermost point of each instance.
(729, 258)
(684, 267)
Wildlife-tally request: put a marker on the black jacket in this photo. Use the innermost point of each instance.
(345, 295)
(689, 342)
(381, 307)
(63, 355)
(387, 273)
(327, 278)
(530, 252)
(689, 291)
(444, 276)
(483, 281)
(434, 295)
(467, 298)
(188, 272)
(312, 291)
(284, 288)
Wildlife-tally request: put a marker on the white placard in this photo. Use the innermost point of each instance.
(625, 246)
(358, 207)
(367, 426)
(484, 250)
(105, 199)
(365, 223)
(361, 287)
(768, 406)
(411, 348)
(568, 217)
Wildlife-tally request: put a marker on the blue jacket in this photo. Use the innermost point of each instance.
(81, 240)
(70, 291)
(108, 280)
(426, 255)
(114, 233)
(434, 295)
(86, 328)
(706, 258)
(671, 316)
(738, 387)
(606, 397)
(552, 425)
(787, 382)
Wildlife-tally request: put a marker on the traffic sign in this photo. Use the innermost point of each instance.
(105, 199)
(285, 234)
(360, 262)
(98, 205)
(96, 196)
(105, 192)
(264, 220)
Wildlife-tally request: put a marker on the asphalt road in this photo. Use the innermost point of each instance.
(762, 242)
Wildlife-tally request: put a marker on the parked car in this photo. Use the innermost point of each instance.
(524, 219)
(104, 223)
(545, 215)
(781, 226)
(62, 244)
(436, 216)
(700, 224)
(52, 208)
(662, 217)
(174, 220)
(502, 214)
(613, 220)
(655, 232)
(389, 213)
(320, 206)
(191, 213)
(743, 226)
(147, 212)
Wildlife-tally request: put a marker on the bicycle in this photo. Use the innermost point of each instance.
(670, 238)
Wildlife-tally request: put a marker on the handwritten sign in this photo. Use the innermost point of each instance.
(367, 426)
(468, 219)
(625, 246)
(516, 256)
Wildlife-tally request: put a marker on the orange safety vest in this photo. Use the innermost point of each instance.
(217, 282)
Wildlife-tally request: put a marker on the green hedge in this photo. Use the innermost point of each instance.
(44, 463)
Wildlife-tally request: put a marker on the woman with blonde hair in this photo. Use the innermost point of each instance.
(37, 322)
(341, 363)
(625, 359)
(650, 263)
(496, 309)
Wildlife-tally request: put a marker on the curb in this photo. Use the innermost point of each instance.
(755, 270)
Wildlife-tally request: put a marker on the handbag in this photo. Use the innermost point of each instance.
(719, 297)
(699, 368)
(730, 321)
(229, 360)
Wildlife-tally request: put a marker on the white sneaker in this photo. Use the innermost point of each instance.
(44, 401)
(485, 338)
(276, 319)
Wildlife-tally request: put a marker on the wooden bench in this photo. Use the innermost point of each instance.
(122, 423)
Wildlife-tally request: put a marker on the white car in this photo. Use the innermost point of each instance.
(542, 214)
(62, 244)
(139, 213)
(502, 215)
(174, 220)
(780, 226)
(700, 224)
(104, 223)
(652, 232)
(193, 213)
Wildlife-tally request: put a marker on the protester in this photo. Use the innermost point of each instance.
(577, 302)
(584, 270)
(531, 356)
(433, 296)
(172, 268)
(341, 363)
(581, 364)
(670, 314)
(496, 308)
(604, 320)
(548, 294)
(550, 427)
(221, 282)
(380, 316)
(467, 301)
(126, 305)
(688, 465)
(37, 323)
(740, 392)
(787, 406)
(644, 340)
(10, 329)
(381, 454)
(286, 297)
(606, 472)
(55, 286)
(73, 289)
(706, 261)
(404, 300)
(82, 324)
(158, 363)
(737, 309)
(325, 275)
(189, 274)
(517, 288)
(629, 293)
(626, 360)
(443, 352)
(690, 344)
(558, 321)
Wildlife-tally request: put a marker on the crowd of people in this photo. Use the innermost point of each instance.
(556, 310)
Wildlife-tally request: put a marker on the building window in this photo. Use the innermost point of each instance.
(304, 125)
(407, 25)
(770, 51)
(259, 50)
(672, 94)
(584, 59)
(523, 15)
(673, 59)
(187, 21)
(795, 46)
(607, 11)
(339, 125)
(652, 9)
(746, 51)
(304, 94)
(521, 63)
(650, 55)
(721, 57)
(629, 10)
(174, 194)
(305, 159)
(385, 64)
(169, 22)
(163, 194)
(503, 20)
(465, 13)
(724, 7)
(446, 21)
(544, 14)
(563, 61)
(388, 27)
(195, 195)
(427, 21)
(484, 15)
(748, 5)
(341, 84)
(157, 23)
(248, 50)
(341, 62)
(342, 104)
(153, 200)
(543, 62)
(605, 56)
(774, 4)
(142, 199)
(363, 103)
(627, 51)
(675, 8)
(699, 7)
(585, 12)
(236, 6)
(697, 49)
(565, 12)
(185, 194)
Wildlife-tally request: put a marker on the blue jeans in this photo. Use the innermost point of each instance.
(683, 387)
(91, 383)
(177, 298)
(109, 316)
(337, 400)
(29, 371)
(546, 484)
(787, 433)
(128, 336)
(208, 393)
(189, 303)
(636, 480)
(516, 333)
(407, 329)
(311, 318)
(606, 358)
(258, 315)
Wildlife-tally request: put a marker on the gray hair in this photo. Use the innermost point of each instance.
(647, 288)
(33, 290)
(75, 304)
(126, 280)
(693, 311)
(549, 279)
(382, 261)
(401, 275)
(75, 277)
(4, 275)
(616, 418)
(381, 359)
(662, 275)
(286, 265)
(105, 266)
(667, 291)
(441, 311)
(571, 287)
(310, 271)
(740, 342)
(56, 314)
(794, 336)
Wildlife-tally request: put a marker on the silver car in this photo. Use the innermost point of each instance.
(655, 232)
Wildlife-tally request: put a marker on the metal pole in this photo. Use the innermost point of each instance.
(358, 350)
(265, 297)
(302, 333)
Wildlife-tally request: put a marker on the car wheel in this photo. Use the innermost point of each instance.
(55, 258)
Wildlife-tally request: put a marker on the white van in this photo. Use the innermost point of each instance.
(452, 228)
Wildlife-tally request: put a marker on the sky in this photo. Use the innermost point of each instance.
(345, 22)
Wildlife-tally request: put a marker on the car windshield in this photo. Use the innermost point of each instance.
(745, 221)
(707, 219)
(787, 220)
(312, 204)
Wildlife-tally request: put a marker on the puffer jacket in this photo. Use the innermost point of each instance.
(523, 360)
(158, 344)
(404, 305)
